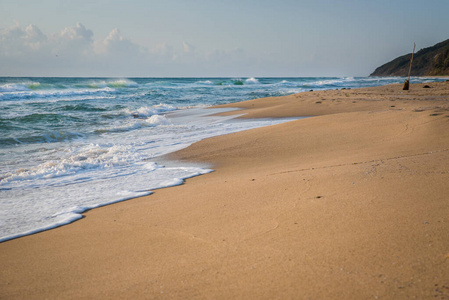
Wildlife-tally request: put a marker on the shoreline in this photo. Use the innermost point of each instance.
(347, 204)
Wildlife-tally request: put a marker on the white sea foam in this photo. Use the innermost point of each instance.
(13, 87)
(252, 80)
(121, 165)
(333, 81)
(118, 83)
(46, 94)
(136, 123)
(33, 221)
(143, 112)
(91, 156)
(122, 83)
(205, 82)
(158, 120)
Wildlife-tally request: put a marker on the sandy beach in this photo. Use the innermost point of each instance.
(350, 203)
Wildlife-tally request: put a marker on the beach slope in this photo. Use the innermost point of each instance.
(351, 203)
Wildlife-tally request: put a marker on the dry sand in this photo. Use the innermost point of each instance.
(350, 204)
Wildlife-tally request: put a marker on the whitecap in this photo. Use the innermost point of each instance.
(48, 94)
(252, 80)
(204, 82)
(148, 111)
(122, 83)
(157, 120)
(13, 87)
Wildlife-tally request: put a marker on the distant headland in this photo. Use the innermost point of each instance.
(431, 61)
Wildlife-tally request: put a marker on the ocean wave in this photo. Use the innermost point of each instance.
(333, 81)
(29, 86)
(44, 86)
(133, 124)
(48, 137)
(252, 80)
(118, 83)
(76, 84)
(204, 82)
(35, 89)
(286, 83)
(14, 87)
(226, 82)
(81, 107)
(122, 83)
(146, 111)
(48, 118)
(146, 116)
(238, 82)
(93, 156)
(49, 94)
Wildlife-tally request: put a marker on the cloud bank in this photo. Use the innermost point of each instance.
(74, 51)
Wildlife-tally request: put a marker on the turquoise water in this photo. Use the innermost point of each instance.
(71, 144)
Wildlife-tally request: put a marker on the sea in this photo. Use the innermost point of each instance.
(68, 145)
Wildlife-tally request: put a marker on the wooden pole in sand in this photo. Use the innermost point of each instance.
(407, 82)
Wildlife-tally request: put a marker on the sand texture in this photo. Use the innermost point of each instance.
(352, 203)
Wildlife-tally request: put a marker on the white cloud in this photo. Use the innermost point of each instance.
(77, 33)
(72, 42)
(188, 48)
(74, 51)
(12, 41)
(115, 43)
(71, 51)
(164, 52)
(114, 36)
(34, 37)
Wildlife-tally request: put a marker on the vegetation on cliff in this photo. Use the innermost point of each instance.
(431, 61)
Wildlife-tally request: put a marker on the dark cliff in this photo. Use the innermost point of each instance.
(431, 61)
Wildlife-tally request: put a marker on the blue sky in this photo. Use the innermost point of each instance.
(213, 38)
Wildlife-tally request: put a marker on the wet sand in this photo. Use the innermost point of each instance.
(352, 203)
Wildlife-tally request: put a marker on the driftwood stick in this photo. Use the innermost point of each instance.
(407, 82)
(411, 61)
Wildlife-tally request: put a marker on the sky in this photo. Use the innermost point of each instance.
(199, 38)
